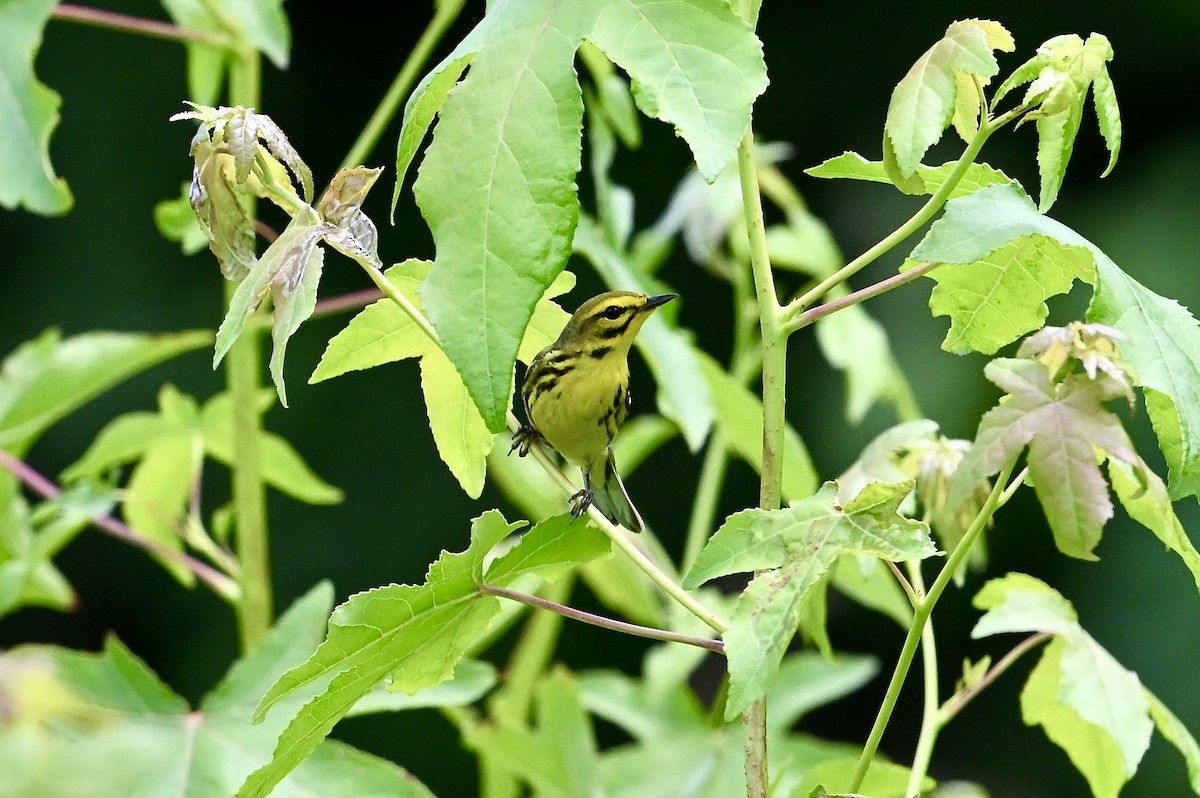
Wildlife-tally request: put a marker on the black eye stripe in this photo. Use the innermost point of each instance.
(618, 330)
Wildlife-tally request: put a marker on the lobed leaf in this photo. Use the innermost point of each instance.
(923, 102)
(415, 633)
(121, 731)
(1087, 702)
(1001, 296)
(1064, 425)
(1162, 347)
(28, 114)
(790, 550)
(1147, 501)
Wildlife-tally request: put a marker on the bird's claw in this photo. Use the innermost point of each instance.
(580, 502)
(525, 437)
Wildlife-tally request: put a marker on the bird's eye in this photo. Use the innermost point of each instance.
(613, 312)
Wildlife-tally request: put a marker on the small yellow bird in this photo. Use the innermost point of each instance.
(576, 394)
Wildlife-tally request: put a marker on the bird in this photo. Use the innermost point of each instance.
(576, 396)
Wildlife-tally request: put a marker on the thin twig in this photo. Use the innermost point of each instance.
(883, 286)
(955, 704)
(44, 487)
(603, 622)
(137, 25)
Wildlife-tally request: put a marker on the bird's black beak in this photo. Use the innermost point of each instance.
(658, 299)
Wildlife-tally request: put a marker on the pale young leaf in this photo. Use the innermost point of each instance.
(1178, 735)
(851, 165)
(923, 102)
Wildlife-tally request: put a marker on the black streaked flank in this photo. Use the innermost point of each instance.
(600, 352)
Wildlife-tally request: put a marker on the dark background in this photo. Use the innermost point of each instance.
(832, 68)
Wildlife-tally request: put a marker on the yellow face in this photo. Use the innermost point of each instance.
(576, 391)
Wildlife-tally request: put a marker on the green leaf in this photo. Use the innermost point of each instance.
(262, 25)
(383, 333)
(739, 417)
(118, 730)
(1162, 348)
(808, 681)
(1063, 424)
(853, 166)
(1087, 702)
(156, 498)
(790, 550)
(857, 345)
(1001, 296)
(1059, 77)
(1093, 752)
(415, 633)
(47, 378)
(1173, 729)
(1145, 498)
(683, 392)
(294, 298)
(497, 184)
(28, 114)
(923, 102)
(550, 549)
(1163, 353)
(29, 541)
(473, 679)
(558, 756)
(176, 221)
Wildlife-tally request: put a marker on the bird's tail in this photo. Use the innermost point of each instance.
(609, 496)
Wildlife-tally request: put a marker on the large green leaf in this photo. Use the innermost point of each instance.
(28, 114)
(789, 551)
(413, 633)
(384, 332)
(498, 181)
(117, 730)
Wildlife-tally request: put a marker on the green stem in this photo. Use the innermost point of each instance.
(242, 369)
(774, 374)
(611, 624)
(622, 541)
(443, 16)
(915, 223)
(956, 704)
(811, 315)
(920, 617)
(930, 721)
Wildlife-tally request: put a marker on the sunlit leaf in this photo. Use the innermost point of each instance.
(853, 166)
(923, 102)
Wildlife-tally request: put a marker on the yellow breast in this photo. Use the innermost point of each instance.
(579, 416)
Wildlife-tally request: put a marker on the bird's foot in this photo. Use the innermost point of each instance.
(526, 436)
(580, 502)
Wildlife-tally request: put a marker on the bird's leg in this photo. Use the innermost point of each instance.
(580, 501)
(526, 436)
